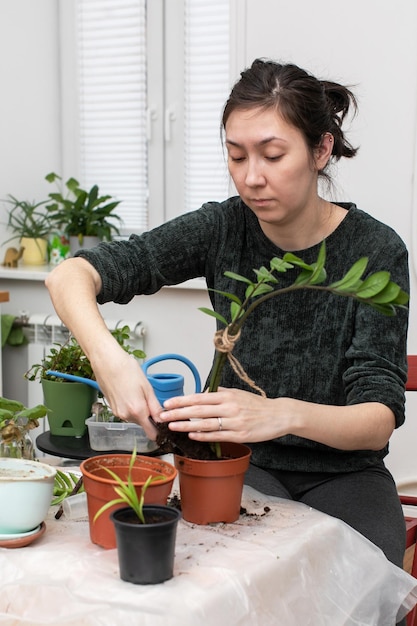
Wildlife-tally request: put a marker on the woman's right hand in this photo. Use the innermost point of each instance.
(127, 389)
(73, 286)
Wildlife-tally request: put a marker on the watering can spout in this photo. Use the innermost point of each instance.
(164, 385)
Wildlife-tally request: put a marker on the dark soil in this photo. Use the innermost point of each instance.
(179, 443)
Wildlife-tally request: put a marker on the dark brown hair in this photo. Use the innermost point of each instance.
(313, 106)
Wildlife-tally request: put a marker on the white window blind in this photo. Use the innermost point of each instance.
(206, 90)
(113, 74)
(112, 101)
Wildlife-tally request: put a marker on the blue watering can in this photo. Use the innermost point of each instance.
(164, 385)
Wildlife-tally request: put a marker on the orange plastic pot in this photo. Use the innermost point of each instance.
(99, 487)
(211, 491)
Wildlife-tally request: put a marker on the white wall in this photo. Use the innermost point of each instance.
(371, 46)
(30, 144)
(30, 147)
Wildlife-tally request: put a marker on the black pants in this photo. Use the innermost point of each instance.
(366, 500)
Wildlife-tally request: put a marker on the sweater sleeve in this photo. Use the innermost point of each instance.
(167, 255)
(377, 356)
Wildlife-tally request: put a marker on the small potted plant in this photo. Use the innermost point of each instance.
(99, 485)
(377, 291)
(145, 533)
(84, 216)
(69, 403)
(16, 421)
(31, 223)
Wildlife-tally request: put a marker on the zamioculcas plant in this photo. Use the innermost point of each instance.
(377, 291)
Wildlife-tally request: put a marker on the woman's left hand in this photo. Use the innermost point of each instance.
(225, 415)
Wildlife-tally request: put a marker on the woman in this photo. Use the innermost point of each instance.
(333, 371)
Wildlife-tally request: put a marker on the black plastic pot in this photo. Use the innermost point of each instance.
(146, 551)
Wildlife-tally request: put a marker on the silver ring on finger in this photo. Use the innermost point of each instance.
(219, 419)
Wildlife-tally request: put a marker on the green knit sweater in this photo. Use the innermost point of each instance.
(308, 345)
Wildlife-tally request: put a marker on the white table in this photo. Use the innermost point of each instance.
(286, 566)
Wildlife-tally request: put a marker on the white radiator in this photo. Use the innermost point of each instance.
(45, 331)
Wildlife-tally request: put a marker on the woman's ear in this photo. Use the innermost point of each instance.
(324, 151)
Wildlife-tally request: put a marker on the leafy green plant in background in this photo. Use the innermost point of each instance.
(16, 421)
(69, 358)
(127, 491)
(27, 219)
(83, 212)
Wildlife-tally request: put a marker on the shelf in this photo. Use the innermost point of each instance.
(26, 272)
(40, 273)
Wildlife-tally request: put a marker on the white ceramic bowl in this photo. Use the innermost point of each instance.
(26, 490)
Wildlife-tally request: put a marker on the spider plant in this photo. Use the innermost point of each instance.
(127, 492)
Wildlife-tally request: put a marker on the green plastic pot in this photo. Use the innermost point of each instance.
(69, 405)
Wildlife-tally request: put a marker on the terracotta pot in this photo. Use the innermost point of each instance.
(146, 551)
(99, 487)
(69, 405)
(211, 491)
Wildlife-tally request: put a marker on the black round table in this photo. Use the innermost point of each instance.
(76, 447)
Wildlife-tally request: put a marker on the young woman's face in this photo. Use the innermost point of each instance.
(271, 166)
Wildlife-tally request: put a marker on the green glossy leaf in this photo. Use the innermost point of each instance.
(236, 311)
(212, 313)
(388, 294)
(34, 413)
(304, 277)
(238, 277)
(352, 278)
(279, 265)
(6, 415)
(289, 257)
(263, 274)
(319, 273)
(401, 299)
(261, 289)
(318, 277)
(373, 285)
(226, 294)
(11, 405)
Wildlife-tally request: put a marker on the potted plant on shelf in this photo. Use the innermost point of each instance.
(99, 479)
(377, 291)
(69, 403)
(145, 533)
(85, 217)
(16, 421)
(31, 223)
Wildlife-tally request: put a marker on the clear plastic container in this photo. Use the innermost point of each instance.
(75, 507)
(120, 436)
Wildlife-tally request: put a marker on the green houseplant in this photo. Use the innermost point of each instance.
(31, 223)
(16, 421)
(69, 403)
(377, 291)
(145, 534)
(82, 213)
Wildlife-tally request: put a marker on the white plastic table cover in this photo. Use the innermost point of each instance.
(281, 563)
